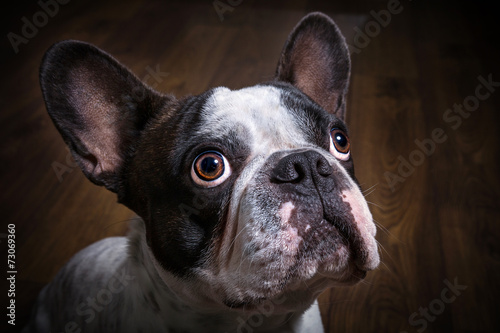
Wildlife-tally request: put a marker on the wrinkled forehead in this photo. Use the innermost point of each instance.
(258, 113)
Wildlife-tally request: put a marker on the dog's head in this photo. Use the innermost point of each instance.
(247, 195)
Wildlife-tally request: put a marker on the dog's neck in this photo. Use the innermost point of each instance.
(185, 309)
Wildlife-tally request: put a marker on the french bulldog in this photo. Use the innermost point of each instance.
(247, 201)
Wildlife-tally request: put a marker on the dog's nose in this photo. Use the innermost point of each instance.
(301, 167)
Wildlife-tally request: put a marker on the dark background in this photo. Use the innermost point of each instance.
(438, 222)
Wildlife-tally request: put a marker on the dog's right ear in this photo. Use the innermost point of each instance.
(99, 107)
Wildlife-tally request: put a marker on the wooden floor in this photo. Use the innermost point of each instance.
(432, 180)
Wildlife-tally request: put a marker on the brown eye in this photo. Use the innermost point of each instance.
(210, 169)
(341, 141)
(339, 144)
(209, 166)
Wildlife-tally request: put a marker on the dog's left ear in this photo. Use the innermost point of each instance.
(316, 60)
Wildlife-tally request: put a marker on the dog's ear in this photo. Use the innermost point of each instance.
(316, 60)
(98, 106)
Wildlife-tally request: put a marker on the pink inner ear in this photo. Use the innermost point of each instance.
(316, 60)
(310, 73)
(99, 117)
(104, 158)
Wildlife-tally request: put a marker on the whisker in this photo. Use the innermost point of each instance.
(234, 240)
(387, 231)
(373, 204)
(109, 225)
(369, 190)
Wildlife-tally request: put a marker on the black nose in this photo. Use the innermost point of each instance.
(308, 166)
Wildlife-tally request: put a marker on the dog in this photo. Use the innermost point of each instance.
(247, 203)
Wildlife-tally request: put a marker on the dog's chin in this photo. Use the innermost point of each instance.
(328, 262)
(297, 295)
(343, 272)
(293, 269)
(302, 285)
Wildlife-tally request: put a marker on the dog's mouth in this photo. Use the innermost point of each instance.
(307, 259)
(329, 239)
(316, 267)
(334, 249)
(307, 244)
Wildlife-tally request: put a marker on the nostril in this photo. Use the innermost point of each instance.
(301, 167)
(299, 172)
(290, 169)
(323, 167)
(289, 173)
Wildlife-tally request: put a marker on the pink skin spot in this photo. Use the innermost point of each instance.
(285, 212)
(360, 211)
(289, 238)
(364, 221)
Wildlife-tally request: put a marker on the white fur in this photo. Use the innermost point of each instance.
(257, 110)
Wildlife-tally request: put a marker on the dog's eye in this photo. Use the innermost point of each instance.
(339, 144)
(210, 169)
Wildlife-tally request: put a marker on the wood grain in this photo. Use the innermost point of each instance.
(438, 225)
